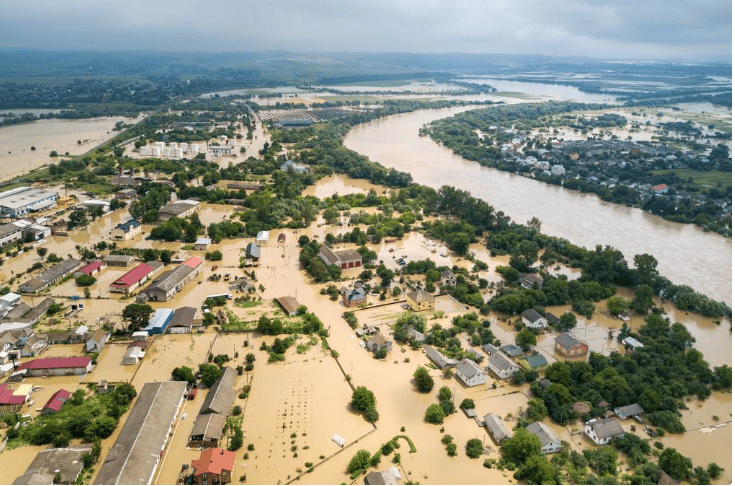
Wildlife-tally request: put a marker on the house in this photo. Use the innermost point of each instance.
(633, 410)
(118, 260)
(380, 477)
(169, 283)
(252, 254)
(496, 428)
(421, 300)
(353, 297)
(57, 366)
(632, 343)
(57, 400)
(96, 341)
(569, 346)
(501, 366)
(511, 350)
(127, 231)
(125, 194)
(134, 353)
(135, 277)
(289, 305)
(378, 341)
(262, 238)
(32, 345)
(534, 362)
(533, 319)
(134, 456)
(78, 335)
(159, 322)
(290, 165)
(178, 209)
(551, 319)
(550, 442)
(581, 408)
(448, 278)
(416, 335)
(182, 320)
(214, 466)
(470, 373)
(125, 181)
(50, 276)
(660, 189)
(438, 358)
(97, 203)
(558, 170)
(531, 280)
(343, 259)
(281, 238)
(11, 400)
(201, 244)
(91, 269)
(66, 462)
(10, 299)
(602, 431)
(212, 416)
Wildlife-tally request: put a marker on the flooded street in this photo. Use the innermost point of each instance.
(686, 254)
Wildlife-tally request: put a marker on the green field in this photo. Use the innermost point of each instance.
(705, 180)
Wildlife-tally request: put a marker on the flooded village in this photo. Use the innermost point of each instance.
(346, 336)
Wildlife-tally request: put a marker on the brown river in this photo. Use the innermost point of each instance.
(686, 254)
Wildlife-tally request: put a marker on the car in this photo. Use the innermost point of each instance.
(214, 267)
(183, 417)
(75, 297)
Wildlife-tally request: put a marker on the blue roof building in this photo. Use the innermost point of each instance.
(159, 322)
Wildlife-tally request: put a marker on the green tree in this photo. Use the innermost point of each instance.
(647, 268)
(183, 373)
(525, 339)
(209, 374)
(434, 414)
(473, 448)
(236, 440)
(604, 460)
(536, 409)
(42, 251)
(643, 301)
(84, 280)
(363, 399)
(359, 462)
(520, 447)
(567, 322)
(676, 465)
(445, 394)
(617, 305)
(137, 315)
(538, 470)
(424, 381)
(467, 403)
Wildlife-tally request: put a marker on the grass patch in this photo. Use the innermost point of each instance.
(244, 304)
(703, 180)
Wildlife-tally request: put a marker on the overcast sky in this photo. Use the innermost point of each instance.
(684, 29)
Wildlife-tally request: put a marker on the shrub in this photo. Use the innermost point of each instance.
(434, 414)
(473, 448)
(467, 403)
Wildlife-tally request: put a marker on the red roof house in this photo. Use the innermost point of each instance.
(9, 401)
(131, 280)
(660, 189)
(214, 466)
(57, 366)
(91, 268)
(56, 401)
(193, 262)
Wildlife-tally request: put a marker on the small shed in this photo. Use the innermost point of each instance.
(202, 244)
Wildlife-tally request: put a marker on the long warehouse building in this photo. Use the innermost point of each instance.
(137, 450)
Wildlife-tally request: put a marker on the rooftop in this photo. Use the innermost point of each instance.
(420, 296)
(137, 450)
(213, 461)
(134, 275)
(51, 363)
(609, 427)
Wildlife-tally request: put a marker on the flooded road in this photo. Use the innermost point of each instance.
(686, 254)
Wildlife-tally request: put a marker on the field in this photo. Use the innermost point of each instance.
(704, 180)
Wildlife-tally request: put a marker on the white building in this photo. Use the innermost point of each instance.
(262, 238)
(558, 170)
(550, 442)
(502, 366)
(603, 431)
(533, 319)
(23, 200)
(470, 373)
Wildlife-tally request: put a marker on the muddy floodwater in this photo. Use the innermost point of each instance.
(72, 136)
(686, 254)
